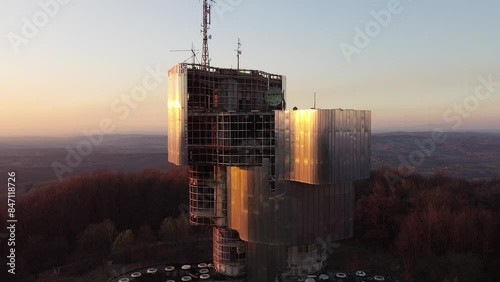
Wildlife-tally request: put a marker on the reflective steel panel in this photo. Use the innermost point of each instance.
(322, 146)
(177, 115)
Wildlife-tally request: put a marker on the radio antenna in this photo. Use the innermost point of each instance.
(207, 19)
(238, 53)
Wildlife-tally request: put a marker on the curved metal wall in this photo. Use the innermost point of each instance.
(265, 262)
(177, 115)
(323, 146)
(294, 214)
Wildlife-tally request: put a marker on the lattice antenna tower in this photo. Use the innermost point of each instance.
(207, 19)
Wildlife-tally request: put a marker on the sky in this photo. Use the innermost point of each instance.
(70, 66)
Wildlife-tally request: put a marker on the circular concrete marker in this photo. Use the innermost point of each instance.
(124, 280)
(204, 270)
(202, 265)
(135, 274)
(186, 278)
(210, 265)
(341, 275)
(204, 276)
(152, 271)
(169, 268)
(378, 278)
(186, 267)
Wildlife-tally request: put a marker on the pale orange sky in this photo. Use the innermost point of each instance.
(65, 79)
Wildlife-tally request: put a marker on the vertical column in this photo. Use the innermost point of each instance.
(229, 252)
(220, 196)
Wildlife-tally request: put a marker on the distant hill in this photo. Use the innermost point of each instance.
(32, 158)
(469, 154)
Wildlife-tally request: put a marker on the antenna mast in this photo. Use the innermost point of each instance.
(207, 17)
(238, 53)
(193, 52)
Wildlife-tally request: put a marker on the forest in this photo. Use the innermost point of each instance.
(437, 226)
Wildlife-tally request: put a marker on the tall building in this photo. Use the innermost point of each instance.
(276, 185)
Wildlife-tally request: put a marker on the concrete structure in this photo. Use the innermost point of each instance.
(274, 184)
(205, 272)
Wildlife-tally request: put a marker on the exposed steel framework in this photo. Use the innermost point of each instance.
(229, 252)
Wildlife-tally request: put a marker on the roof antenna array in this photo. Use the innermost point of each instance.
(207, 19)
(238, 53)
(193, 52)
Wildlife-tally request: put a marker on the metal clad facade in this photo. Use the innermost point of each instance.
(322, 146)
(177, 115)
(299, 215)
(275, 184)
(265, 261)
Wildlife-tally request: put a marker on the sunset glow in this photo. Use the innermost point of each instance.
(425, 61)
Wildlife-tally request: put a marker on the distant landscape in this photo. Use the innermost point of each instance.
(124, 206)
(471, 155)
(474, 156)
(32, 158)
